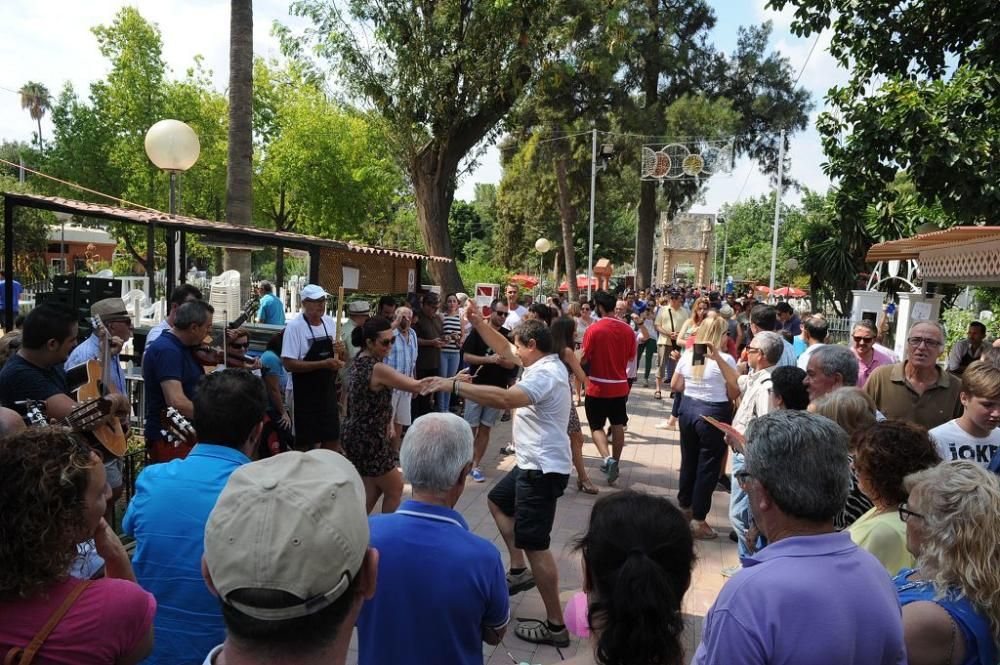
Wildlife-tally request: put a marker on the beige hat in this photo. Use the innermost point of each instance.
(295, 522)
(359, 307)
(110, 309)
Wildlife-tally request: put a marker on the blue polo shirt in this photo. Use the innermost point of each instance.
(167, 517)
(438, 585)
(271, 310)
(166, 359)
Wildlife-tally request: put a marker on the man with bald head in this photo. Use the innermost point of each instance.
(11, 422)
(917, 389)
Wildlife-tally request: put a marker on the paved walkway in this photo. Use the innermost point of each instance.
(650, 463)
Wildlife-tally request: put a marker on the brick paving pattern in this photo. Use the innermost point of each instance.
(650, 463)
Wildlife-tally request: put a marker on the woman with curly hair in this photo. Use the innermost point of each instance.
(637, 559)
(53, 495)
(885, 454)
(951, 600)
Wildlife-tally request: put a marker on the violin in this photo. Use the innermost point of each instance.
(208, 354)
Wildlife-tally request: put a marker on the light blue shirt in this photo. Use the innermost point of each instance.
(167, 517)
(403, 354)
(787, 355)
(90, 349)
(271, 310)
(428, 558)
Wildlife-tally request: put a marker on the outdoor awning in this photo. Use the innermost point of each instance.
(959, 255)
(219, 231)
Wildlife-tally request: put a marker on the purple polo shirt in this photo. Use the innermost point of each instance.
(864, 371)
(806, 600)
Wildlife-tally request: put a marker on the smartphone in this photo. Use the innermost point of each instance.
(699, 355)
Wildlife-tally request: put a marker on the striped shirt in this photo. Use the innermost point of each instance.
(403, 354)
(452, 331)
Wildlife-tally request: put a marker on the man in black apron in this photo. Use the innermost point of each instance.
(311, 356)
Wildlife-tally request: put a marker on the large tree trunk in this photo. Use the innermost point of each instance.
(239, 188)
(567, 219)
(647, 232)
(434, 190)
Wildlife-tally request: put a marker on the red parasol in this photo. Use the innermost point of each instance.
(526, 281)
(581, 284)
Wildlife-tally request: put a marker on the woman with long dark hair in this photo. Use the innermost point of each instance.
(563, 330)
(638, 554)
(367, 431)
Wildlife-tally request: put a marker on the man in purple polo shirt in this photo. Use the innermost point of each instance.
(810, 596)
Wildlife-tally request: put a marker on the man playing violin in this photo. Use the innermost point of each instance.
(171, 373)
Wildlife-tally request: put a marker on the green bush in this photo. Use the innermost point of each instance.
(956, 325)
(480, 271)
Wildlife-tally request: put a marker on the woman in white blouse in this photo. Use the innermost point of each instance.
(707, 376)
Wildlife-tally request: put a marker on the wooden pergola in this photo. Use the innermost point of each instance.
(172, 225)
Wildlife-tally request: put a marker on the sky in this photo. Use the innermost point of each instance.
(51, 42)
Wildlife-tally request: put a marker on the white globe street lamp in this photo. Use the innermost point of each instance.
(173, 147)
(542, 246)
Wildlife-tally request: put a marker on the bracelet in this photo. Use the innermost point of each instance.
(454, 387)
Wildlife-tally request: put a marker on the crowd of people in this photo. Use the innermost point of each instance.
(862, 490)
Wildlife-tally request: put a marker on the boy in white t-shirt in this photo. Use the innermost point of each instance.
(974, 436)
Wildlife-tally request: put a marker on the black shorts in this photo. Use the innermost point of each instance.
(605, 409)
(529, 497)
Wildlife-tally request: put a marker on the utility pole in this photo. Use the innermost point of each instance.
(593, 191)
(777, 209)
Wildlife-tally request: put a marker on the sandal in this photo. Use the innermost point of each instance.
(657, 395)
(586, 487)
(702, 531)
(537, 632)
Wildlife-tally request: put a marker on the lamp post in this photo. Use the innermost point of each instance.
(607, 152)
(173, 147)
(725, 249)
(542, 246)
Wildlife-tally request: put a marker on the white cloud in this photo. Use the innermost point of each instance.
(51, 42)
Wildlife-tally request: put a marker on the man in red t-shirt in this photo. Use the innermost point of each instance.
(608, 346)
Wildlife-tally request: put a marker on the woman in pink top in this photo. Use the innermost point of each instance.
(53, 495)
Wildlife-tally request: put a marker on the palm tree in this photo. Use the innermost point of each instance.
(35, 97)
(239, 187)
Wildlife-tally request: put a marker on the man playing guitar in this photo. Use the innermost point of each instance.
(37, 373)
(171, 373)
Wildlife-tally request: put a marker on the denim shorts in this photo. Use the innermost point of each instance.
(477, 414)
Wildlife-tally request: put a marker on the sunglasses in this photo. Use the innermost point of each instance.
(915, 342)
(504, 314)
(386, 342)
(858, 339)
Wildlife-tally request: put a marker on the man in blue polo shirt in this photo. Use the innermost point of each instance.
(168, 514)
(271, 309)
(442, 590)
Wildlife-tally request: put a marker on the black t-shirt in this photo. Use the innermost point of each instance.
(21, 380)
(488, 375)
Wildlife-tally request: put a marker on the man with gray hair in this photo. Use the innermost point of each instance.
(809, 575)
(271, 309)
(831, 366)
(428, 558)
(763, 353)
(917, 389)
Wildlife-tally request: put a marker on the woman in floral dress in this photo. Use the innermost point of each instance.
(367, 430)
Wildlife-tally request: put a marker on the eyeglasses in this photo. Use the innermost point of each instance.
(244, 345)
(742, 477)
(859, 339)
(929, 342)
(585, 308)
(753, 349)
(905, 513)
(386, 342)
(499, 313)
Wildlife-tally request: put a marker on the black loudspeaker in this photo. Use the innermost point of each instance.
(87, 291)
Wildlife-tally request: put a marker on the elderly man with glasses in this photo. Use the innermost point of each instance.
(917, 390)
(810, 575)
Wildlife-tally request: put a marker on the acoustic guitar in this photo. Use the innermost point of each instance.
(96, 380)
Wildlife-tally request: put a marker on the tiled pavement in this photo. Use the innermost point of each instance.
(650, 463)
